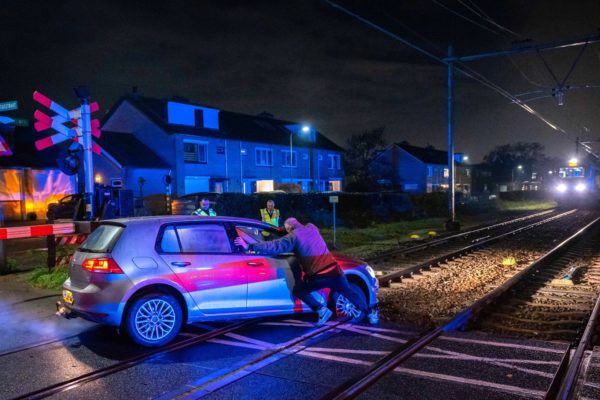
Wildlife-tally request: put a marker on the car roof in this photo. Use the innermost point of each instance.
(163, 219)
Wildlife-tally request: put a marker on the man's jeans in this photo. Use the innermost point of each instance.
(339, 284)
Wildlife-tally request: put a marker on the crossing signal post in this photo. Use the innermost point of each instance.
(75, 125)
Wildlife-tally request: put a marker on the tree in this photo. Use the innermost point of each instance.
(360, 151)
(504, 159)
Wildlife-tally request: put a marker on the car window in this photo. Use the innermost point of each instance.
(102, 239)
(203, 238)
(169, 242)
(255, 234)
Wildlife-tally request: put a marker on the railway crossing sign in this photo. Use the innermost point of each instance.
(74, 125)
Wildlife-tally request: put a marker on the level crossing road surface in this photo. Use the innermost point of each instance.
(243, 365)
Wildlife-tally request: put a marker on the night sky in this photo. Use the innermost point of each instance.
(308, 62)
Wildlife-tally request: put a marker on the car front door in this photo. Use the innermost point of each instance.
(200, 255)
(270, 278)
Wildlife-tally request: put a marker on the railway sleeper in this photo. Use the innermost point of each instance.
(582, 313)
(529, 321)
(555, 334)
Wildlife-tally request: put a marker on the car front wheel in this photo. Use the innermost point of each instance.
(154, 320)
(343, 307)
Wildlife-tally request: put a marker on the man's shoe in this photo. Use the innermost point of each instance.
(374, 317)
(324, 315)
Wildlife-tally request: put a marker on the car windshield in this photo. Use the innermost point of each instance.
(102, 239)
(256, 234)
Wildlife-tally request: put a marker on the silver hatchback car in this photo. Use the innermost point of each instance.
(151, 275)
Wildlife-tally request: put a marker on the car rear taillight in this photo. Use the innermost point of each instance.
(102, 265)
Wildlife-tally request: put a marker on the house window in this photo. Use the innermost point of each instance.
(446, 173)
(334, 161)
(194, 152)
(429, 171)
(335, 186)
(264, 186)
(286, 161)
(264, 157)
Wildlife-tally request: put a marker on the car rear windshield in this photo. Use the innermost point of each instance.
(102, 239)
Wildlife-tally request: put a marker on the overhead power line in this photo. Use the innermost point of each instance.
(469, 72)
(465, 70)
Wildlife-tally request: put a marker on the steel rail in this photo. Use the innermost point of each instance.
(239, 371)
(385, 280)
(355, 386)
(448, 238)
(567, 386)
(131, 362)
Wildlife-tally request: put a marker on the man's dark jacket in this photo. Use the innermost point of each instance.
(308, 245)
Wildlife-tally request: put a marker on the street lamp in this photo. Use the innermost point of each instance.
(305, 130)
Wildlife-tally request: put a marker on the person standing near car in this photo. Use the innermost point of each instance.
(205, 210)
(320, 268)
(270, 215)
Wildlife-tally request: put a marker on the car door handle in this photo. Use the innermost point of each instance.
(181, 263)
(254, 264)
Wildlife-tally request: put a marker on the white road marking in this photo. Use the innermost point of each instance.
(247, 339)
(423, 374)
(433, 356)
(238, 344)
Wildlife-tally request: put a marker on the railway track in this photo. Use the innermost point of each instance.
(396, 265)
(577, 322)
(187, 341)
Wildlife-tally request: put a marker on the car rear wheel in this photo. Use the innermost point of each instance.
(154, 320)
(343, 307)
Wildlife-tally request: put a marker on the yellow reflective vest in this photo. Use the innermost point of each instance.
(200, 212)
(272, 219)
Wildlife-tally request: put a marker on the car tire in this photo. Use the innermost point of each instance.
(153, 320)
(342, 307)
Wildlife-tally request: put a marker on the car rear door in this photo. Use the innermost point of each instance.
(200, 254)
(270, 278)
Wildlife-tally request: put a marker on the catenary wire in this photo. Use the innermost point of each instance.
(465, 70)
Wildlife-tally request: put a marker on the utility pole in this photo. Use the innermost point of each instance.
(88, 164)
(451, 224)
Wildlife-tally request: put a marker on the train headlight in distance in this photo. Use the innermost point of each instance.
(561, 188)
(580, 187)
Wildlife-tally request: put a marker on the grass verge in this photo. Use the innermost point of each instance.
(42, 278)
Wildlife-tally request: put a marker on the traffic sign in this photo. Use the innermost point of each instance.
(334, 199)
(9, 105)
(4, 149)
(24, 122)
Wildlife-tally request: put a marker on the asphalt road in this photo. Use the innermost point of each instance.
(244, 365)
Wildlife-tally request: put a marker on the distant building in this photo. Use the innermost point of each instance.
(205, 149)
(422, 169)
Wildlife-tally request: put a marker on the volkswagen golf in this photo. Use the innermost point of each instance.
(151, 275)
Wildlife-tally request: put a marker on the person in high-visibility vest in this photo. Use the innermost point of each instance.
(270, 215)
(205, 210)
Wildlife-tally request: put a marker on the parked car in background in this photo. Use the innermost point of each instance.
(151, 275)
(69, 207)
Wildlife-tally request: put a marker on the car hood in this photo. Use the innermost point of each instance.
(348, 262)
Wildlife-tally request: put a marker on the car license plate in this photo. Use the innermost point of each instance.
(68, 296)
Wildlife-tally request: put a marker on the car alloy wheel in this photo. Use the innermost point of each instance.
(154, 319)
(344, 307)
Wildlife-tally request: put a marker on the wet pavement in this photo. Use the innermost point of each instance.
(262, 360)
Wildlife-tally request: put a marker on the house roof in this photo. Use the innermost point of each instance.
(129, 151)
(428, 155)
(235, 126)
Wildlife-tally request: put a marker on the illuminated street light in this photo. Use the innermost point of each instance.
(519, 167)
(305, 129)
